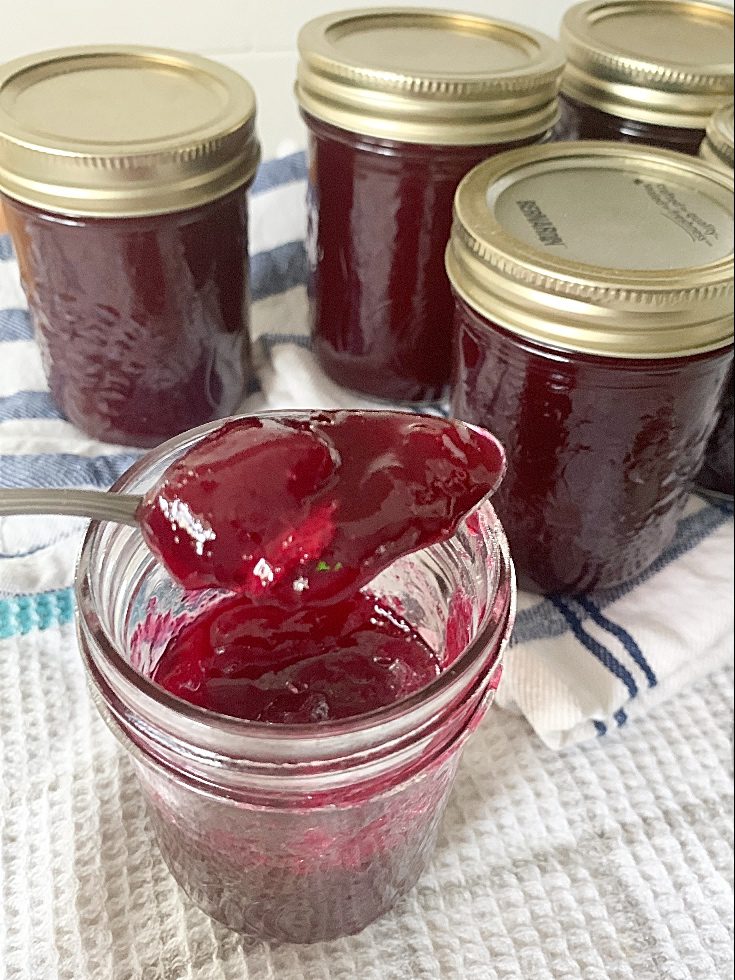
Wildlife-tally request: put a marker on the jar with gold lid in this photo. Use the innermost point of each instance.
(123, 175)
(646, 71)
(593, 334)
(717, 146)
(717, 475)
(400, 103)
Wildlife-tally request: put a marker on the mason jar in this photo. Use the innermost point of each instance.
(400, 103)
(294, 833)
(645, 71)
(717, 475)
(593, 336)
(123, 175)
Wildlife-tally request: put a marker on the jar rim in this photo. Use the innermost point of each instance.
(496, 629)
(718, 145)
(461, 78)
(526, 248)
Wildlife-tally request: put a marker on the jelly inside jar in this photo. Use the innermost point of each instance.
(295, 516)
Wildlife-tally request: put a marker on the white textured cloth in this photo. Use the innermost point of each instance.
(611, 858)
(606, 861)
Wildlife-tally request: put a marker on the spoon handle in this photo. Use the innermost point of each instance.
(118, 507)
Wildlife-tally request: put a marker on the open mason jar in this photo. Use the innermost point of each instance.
(645, 71)
(294, 833)
(593, 337)
(124, 174)
(400, 103)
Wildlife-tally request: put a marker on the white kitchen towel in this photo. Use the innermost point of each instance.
(577, 667)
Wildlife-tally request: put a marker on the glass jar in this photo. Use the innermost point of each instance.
(718, 145)
(399, 105)
(717, 475)
(123, 175)
(593, 335)
(294, 833)
(645, 71)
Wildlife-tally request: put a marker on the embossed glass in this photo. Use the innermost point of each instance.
(142, 321)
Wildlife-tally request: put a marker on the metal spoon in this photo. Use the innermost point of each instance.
(121, 508)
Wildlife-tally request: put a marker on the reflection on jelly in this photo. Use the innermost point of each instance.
(380, 214)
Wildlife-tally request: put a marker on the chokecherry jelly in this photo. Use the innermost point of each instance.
(128, 214)
(597, 359)
(307, 509)
(649, 73)
(399, 105)
(299, 666)
(296, 515)
(296, 827)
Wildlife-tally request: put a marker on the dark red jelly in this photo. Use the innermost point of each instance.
(142, 321)
(380, 213)
(306, 666)
(718, 471)
(301, 871)
(585, 122)
(602, 450)
(306, 510)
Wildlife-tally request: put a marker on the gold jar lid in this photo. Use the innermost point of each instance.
(123, 131)
(717, 146)
(662, 62)
(428, 76)
(603, 248)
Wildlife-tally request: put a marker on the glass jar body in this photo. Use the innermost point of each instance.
(142, 321)
(602, 451)
(307, 832)
(290, 873)
(585, 122)
(718, 471)
(380, 214)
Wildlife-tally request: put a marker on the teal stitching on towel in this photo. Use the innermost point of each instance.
(22, 614)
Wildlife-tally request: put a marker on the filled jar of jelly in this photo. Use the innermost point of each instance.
(645, 71)
(593, 335)
(291, 830)
(717, 475)
(400, 103)
(123, 175)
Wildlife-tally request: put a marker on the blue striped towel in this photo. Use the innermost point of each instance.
(577, 668)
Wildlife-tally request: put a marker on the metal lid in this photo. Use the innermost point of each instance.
(717, 146)
(123, 131)
(605, 248)
(428, 76)
(663, 62)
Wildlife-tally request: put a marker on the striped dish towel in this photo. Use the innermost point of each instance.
(577, 669)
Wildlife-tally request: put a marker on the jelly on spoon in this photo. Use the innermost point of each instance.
(317, 503)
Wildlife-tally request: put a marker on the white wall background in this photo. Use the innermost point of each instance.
(256, 37)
